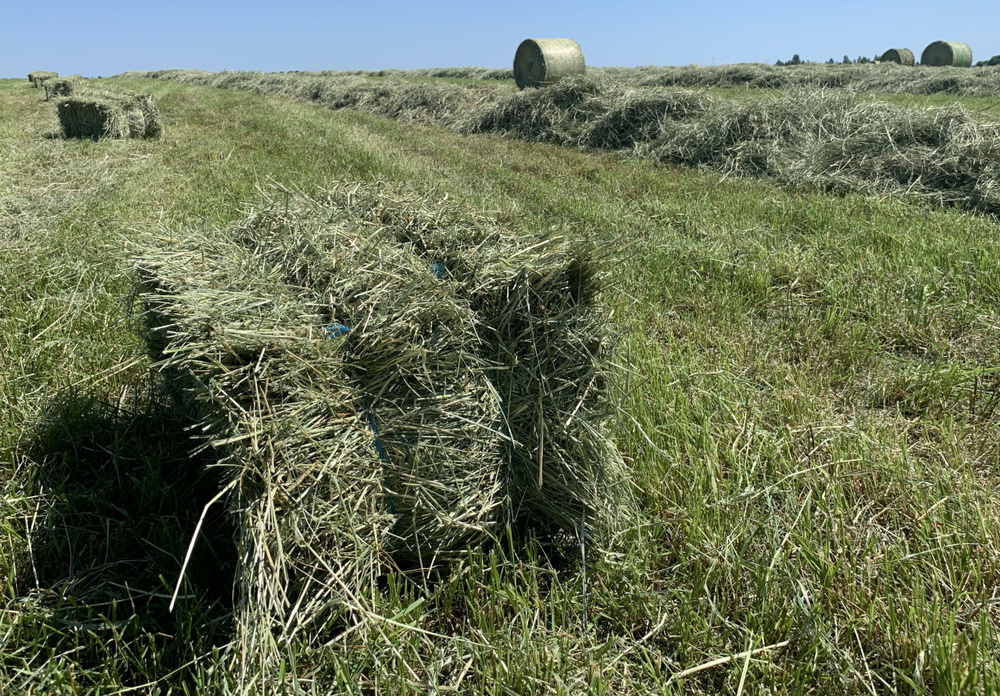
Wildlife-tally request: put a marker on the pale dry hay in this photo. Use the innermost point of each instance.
(799, 137)
(391, 382)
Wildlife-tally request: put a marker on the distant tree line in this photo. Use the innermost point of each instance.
(796, 60)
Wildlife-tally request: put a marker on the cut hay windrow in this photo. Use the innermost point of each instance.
(107, 114)
(390, 383)
(801, 137)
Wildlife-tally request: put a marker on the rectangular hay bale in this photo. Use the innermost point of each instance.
(109, 115)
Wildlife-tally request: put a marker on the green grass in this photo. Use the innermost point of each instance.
(815, 401)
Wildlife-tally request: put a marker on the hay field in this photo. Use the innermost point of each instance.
(812, 427)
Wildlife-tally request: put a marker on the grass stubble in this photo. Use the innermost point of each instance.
(816, 379)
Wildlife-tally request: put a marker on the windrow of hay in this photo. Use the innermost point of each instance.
(106, 114)
(38, 76)
(900, 56)
(391, 381)
(819, 137)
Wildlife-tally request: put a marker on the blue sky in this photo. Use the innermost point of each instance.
(105, 38)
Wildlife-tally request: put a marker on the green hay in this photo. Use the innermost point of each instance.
(900, 56)
(467, 390)
(116, 115)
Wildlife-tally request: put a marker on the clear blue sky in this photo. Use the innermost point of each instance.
(105, 38)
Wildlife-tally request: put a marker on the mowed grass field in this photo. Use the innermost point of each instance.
(811, 417)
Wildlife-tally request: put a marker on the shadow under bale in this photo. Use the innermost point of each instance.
(119, 493)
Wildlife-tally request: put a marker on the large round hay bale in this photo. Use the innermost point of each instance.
(953, 53)
(903, 56)
(540, 62)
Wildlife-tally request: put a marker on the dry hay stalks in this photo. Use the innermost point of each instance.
(109, 114)
(391, 382)
(799, 137)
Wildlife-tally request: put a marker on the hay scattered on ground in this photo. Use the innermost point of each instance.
(392, 382)
(107, 114)
(826, 138)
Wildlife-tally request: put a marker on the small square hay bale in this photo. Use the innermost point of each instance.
(62, 86)
(109, 115)
(36, 77)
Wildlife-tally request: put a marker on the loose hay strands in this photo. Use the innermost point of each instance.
(827, 138)
(109, 114)
(379, 403)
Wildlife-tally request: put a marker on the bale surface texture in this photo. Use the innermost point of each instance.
(540, 62)
(62, 86)
(947, 53)
(391, 382)
(902, 56)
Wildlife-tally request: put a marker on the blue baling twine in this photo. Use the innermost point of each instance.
(336, 330)
(381, 453)
(438, 269)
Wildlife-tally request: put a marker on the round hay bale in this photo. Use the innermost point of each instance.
(903, 56)
(953, 53)
(540, 62)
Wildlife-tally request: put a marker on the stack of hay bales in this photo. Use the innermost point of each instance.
(37, 77)
(109, 114)
(392, 383)
(947, 53)
(540, 62)
(901, 56)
